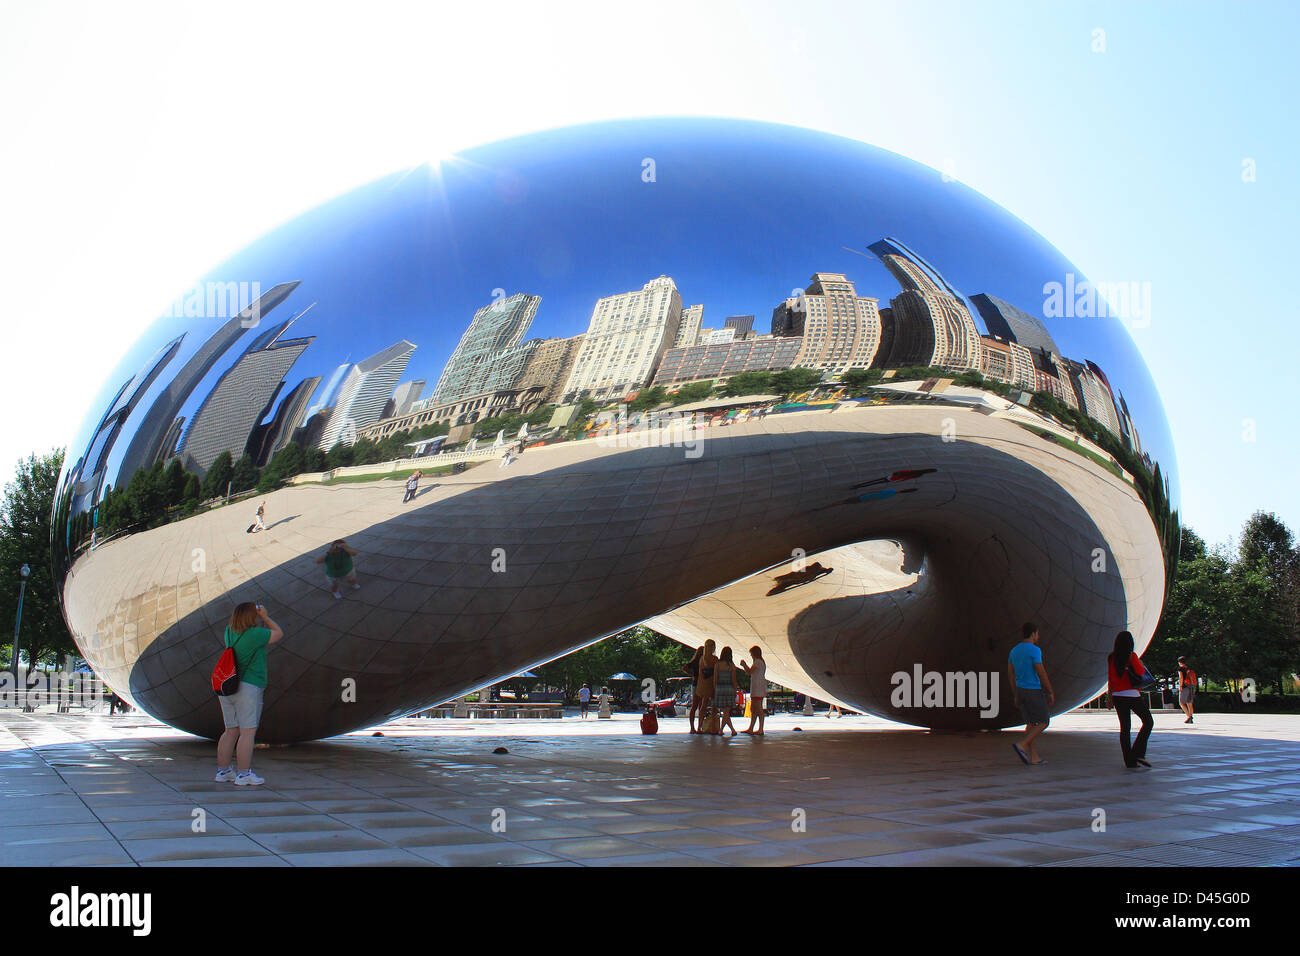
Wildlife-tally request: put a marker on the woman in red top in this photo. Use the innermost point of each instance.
(1123, 665)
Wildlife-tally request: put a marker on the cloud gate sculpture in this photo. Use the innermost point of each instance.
(731, 380)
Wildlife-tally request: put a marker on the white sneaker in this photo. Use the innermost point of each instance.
(247, 778)
(225, 776)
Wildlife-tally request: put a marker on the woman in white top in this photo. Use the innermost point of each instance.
(757, 672)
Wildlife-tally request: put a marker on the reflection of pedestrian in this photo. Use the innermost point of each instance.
(1186, 690)
(260, 523)
(1124, 668)
(339, 566)
(1032, 691)
(412, 486)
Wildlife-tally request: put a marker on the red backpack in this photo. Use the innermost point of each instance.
(650, 721)
(225, 676)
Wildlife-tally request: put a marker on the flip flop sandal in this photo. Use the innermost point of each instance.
(1024, 757)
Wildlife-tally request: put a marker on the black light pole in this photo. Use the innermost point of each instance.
(18, 618)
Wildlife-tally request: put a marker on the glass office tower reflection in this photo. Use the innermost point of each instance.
(915, 458)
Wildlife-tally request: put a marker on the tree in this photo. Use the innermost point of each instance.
(748, 383)
(649, 398)
(693, 392)
(25, 530)
(793, 380)
(218, 476)
(859, 380)
(245, 474)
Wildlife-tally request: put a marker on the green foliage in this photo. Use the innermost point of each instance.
(1233, 615)
(692, 392)
(25, 528)
(284, 464)
(218, 476)
(638, 651)
(245, 475)
(859, 380)
(748, 383)
(649, 398)
(791, 381)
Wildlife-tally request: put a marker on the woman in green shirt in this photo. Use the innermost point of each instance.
(250, 632)
(338, 566)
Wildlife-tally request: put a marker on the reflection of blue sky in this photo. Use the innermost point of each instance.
(740, 215)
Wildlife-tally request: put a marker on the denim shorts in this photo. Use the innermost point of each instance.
(243, 708)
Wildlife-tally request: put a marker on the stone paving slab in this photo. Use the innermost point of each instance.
(90, 790)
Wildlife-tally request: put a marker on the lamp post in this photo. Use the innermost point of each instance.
(18, 618)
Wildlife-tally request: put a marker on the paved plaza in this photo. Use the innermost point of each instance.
(98, 791)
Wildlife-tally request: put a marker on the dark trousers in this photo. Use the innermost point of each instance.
(1125, 707)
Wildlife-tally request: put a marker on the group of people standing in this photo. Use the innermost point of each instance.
(1126, 679)
(714, 697)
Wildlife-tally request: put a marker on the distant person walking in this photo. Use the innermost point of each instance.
(1124, 670)
(339, 566)
(584, 701)
(757, 672)
(692, 669)
(724, 691)
(1187, 690)
(259, 524)
(1031, 690)
(249, 633)
(412, 486)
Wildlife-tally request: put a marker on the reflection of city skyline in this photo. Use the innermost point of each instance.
(631, 339)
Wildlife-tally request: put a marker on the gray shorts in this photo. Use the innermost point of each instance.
(1033, 705)
(243, 709)
(1186, 694)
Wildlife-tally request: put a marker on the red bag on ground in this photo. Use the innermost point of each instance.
(649, 722)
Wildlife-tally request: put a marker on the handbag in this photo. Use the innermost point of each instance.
(1143, 682)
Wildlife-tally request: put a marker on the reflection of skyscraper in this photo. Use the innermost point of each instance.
(840, 329)
(95, 460)
(489, 355)
(364, 393)
(688, 329)
(405, 395)
(330, 393)
(270, 437)
(932, 325)
(550, 365)
(626, 339)
(1008, 362)
(1015, 325)
(149, 438)
(743, 324)
(1094, 396)
(241, 399)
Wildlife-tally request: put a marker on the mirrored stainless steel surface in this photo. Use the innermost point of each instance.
(1003, 457)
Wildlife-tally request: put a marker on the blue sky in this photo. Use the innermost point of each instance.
(1128, 160)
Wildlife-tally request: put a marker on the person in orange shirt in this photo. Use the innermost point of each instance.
(1186, 689)
(1124, 670)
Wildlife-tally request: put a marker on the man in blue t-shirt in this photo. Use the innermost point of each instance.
(1031, 690)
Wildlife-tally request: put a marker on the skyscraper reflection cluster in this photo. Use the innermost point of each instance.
(634, 339)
